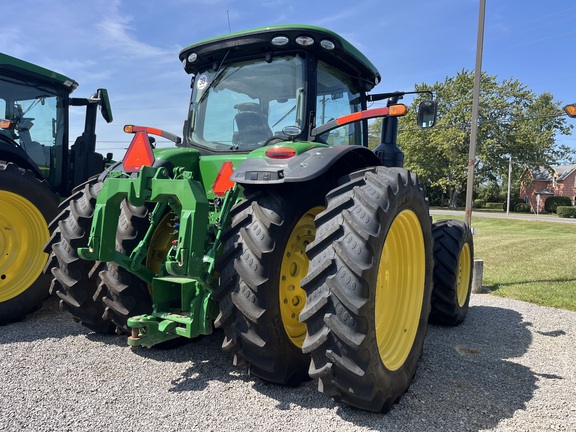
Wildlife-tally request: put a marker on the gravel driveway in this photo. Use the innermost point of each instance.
(509, 367)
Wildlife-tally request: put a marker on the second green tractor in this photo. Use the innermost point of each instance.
(273, 220)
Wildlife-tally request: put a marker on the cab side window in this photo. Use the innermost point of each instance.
(337, 96)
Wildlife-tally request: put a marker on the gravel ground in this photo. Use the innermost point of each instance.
(509, 367)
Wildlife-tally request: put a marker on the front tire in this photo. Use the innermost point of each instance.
(368, 288)
(27, 206)
(261, 267)
(453, 264)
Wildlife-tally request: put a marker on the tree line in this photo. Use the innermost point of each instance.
(513, 122)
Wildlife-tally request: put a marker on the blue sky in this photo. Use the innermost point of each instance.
(131, 47)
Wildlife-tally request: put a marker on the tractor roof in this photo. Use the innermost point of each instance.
(11, 66)
(325, 44)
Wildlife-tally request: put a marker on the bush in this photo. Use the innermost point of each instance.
(522, 207)
(552, 202)
(494, 205)
(479, 203)
(566, 211)
(513, 206)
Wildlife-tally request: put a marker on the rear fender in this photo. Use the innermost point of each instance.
(304, 167)
(11, 152)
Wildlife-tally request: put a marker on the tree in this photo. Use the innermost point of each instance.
(513, 121)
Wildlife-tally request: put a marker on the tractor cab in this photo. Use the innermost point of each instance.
(32, 123)
(34, 116)
(275, 84)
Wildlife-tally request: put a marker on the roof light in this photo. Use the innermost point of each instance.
(304, 40)
(280, 40)
(327, 44)
(280, 152)
(192, 57)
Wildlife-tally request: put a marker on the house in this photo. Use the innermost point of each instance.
(542, 183)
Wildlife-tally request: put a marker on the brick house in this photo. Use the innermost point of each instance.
(560, 181)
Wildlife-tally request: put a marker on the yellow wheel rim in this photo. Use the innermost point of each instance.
(160, 244)
(23, 233)
(464, 270)
(400, 289)
(293, 268)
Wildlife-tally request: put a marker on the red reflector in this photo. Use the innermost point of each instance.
(139, 153)
(280, 152)
(223, 184)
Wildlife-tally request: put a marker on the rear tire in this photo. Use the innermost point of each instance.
(101, 296)
(27, 206)
(126, 295)
(453, 264)
(261, 267)
(76, 281)
(368, 286)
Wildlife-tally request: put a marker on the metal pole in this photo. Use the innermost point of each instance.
(509, 183)
(475, 103)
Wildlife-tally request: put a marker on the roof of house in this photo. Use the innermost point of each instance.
(562, 172)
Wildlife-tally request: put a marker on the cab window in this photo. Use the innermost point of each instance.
(337, 96)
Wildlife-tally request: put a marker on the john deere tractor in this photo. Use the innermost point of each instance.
(37, 167)
(272, 220)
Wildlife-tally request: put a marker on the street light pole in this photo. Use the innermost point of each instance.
(475, 103)
(509, 183)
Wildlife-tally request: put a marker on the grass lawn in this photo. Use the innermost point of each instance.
(525, 260)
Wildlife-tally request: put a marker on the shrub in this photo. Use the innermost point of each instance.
(479, 203)
(513, 203)
(552, 202)
(493, 205)
(566, 211)
(522, 207)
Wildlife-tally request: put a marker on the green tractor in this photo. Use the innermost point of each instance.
(272, 220)
(37, 167)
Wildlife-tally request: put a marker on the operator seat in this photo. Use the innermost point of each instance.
(252, 126)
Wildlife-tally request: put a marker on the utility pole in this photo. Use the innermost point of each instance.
(509, 184)
(475, 103)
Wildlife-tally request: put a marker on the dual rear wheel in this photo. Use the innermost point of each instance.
(344, 299)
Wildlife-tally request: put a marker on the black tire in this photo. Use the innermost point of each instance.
(453, 265)
(27, 205)
(101, 296)
(126, 295)
(364, 350)
(76, 281)
(260, 271)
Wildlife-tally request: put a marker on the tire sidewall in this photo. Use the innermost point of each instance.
(400, 379)
(27, 186)
(34, 190)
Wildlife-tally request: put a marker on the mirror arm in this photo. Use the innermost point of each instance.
(381, 96)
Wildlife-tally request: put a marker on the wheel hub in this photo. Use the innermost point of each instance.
(293, 268)
(23, 233)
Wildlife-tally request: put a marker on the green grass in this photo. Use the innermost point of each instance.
(525, 260)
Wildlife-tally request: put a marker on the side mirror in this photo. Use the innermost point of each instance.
(105, 109)
(427, 114)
